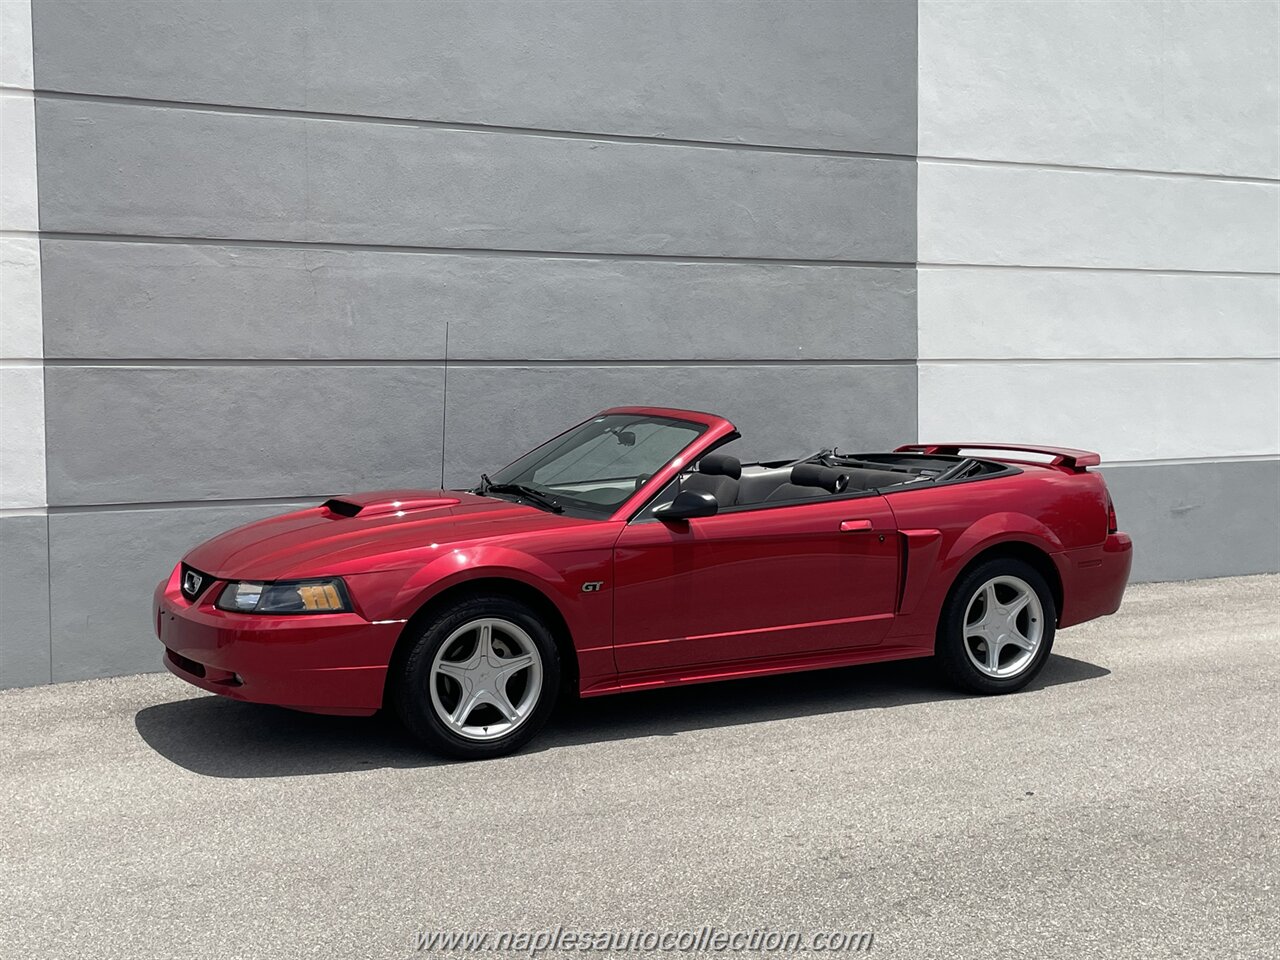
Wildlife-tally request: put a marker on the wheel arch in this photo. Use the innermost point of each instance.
(1031, 554)
(489, 585)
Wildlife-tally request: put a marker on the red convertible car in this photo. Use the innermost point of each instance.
(627, 554)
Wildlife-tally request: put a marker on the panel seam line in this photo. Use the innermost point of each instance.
(409, 248)
(465, 126)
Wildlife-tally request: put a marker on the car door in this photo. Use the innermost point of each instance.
(751, 583)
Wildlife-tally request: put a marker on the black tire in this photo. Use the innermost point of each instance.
(411, 691)
(955, 652)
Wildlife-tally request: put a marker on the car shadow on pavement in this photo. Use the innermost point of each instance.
(216, 737)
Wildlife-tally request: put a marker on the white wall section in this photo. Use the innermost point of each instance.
(15, 44)
(26, 650)
(1173, 86)
(19, 209)
(21, 336)
(1038, 216)
(22, 483)
(1099, 227)
(22, 439)
(1003, 313)
(1143, 410)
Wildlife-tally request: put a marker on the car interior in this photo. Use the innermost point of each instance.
(825, 474)
(598, 465)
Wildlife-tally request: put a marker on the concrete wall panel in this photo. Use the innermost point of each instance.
(22, 329)
(24, 601)
(1008, 313)
(143, 300)
(140, 169)
(1148, 85)
(109, 562)
(1200, 519)
(15, 44)
(818, 74)
(1143, 410)
(22, 436)
(983, 213)
(19, 206)
(140, 434)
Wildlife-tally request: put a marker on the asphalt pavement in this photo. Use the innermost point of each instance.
(1126, 805)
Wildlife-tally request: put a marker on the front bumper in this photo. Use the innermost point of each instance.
(321, 663)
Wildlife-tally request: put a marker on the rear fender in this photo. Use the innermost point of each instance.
(932, 565)
(997, 528)
(991, 531)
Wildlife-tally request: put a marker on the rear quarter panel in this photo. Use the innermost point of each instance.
(1055, 510)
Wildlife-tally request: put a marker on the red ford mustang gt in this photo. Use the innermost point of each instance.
(626, 554)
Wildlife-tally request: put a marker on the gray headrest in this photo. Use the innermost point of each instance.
(720, 465)
(816, 475)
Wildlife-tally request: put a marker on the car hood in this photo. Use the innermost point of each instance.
(359, 533)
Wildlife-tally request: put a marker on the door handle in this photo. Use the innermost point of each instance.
(851, 526)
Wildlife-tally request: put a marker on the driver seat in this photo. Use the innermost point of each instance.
(718, 475)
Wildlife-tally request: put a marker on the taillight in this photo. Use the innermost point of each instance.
(1112, 525)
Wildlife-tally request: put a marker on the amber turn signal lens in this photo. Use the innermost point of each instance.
(320, 596)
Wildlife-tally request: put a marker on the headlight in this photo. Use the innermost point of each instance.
(286, 596)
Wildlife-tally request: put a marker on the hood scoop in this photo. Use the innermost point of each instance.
(382, 505)
(343, 508)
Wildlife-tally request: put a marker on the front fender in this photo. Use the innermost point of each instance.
(484, 562)
(588, 615)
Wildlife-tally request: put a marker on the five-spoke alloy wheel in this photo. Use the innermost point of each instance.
(486, 679)
(997, 627)
(1003, 627)
(480, 680)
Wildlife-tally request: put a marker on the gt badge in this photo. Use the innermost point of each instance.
(592, 586)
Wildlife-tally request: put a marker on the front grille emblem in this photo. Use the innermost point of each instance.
(191, 583)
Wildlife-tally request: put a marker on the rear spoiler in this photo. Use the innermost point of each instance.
(1062, 456)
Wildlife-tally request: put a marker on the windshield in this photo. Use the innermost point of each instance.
(594, 468)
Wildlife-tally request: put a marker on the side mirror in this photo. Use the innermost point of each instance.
(688, 504)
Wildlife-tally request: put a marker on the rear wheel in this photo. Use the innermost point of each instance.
(997, 627)
(481, 679)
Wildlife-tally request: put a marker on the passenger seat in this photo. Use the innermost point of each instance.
(810, 481)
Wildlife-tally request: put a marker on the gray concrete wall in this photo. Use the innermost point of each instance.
(256, 220)
(227, 290)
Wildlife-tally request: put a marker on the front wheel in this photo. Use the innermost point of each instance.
(480, 680)
(997, 627)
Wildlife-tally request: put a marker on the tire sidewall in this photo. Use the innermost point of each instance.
(411, 690)
(950, 640)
